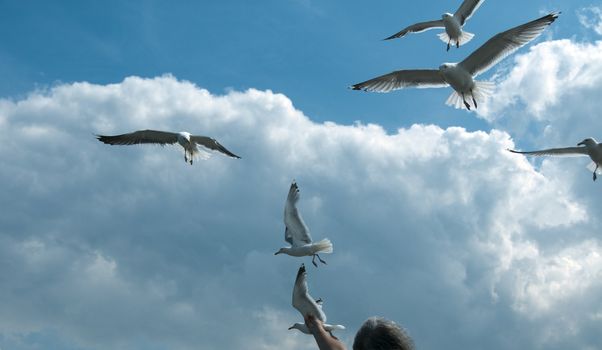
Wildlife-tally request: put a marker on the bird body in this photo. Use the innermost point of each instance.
(327, 327)
(189, 142)
(453, 28)
(460, 76)
(310, 249)
(296, 232)
(302, 301)
(589, 147)
(452, 23)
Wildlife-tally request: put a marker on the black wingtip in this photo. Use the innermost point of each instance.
(552, 16)
(511, 150)
(300, 273)
(355, 87)
(102, 138)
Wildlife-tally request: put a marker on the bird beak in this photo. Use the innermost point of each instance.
(580, 143)
(276, 253)
(289, 328)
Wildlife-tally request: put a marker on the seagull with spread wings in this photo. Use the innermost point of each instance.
(186, 140)
(589, 147)
(296, 232)
(452, 23)
(460, 76)
(307, 306)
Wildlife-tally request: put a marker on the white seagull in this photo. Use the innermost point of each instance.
(297, 234)
(306, 305)
(451, 22)
(186, 140)
(460, 76)
(589, 147)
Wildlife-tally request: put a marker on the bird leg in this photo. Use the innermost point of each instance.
(313, 261)
(332, 335)
(595, 176)
(191, 156)
(465, 103)
(473, 100)
(185, 157)
(448, 43)
(458, 44)
(322, 261)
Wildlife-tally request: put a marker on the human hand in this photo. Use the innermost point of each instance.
(325, 340)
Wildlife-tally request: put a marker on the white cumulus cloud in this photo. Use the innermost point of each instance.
(129, 247)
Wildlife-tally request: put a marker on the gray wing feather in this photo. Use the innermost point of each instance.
(211, 144)
(505, 43)
(139, 137)
(567, 151)
(417, 28)
(467, 9)
(420, 78)
(302, 301)
(296, 232)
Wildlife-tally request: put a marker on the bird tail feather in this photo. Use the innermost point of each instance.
(201, 154)
(592, 166)
(481, 92)
(323, 246)
(464, 37)
(444, 37)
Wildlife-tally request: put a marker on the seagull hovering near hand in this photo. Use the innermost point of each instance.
(186, 140)
(297, 234)
(589, 148)
(451, 22)
(460, 76)
(307, 306)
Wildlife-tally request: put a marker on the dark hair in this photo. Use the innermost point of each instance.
(380, 334)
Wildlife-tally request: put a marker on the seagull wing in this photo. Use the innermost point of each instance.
(141, 136)
(211, 144)
(420, 78)
(567, 151)
(302, 301)
(466, 10)
(505, 43)
(296, 232)
(417, 28)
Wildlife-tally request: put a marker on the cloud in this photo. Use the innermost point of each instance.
(591, 18)
(546, 78)
(439, 229)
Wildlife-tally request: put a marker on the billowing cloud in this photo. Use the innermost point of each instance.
(439, 229)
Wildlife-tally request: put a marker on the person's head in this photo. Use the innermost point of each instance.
(381, 334)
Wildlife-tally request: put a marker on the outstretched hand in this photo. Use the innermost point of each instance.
(325, 340)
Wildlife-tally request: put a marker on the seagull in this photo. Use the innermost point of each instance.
(297, 234)
(589, 147)
(327, 327)
(451, 22)
(460, 76)
(307, 306)
(185, 139)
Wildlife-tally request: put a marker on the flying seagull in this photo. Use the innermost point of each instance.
(186, 140)
(296, 232)
(451, 22)
(460, 76)
(589, 147)
(307, 306)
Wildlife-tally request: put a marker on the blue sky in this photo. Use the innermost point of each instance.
(434, 224)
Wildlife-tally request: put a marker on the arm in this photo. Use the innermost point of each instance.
(325, 341)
